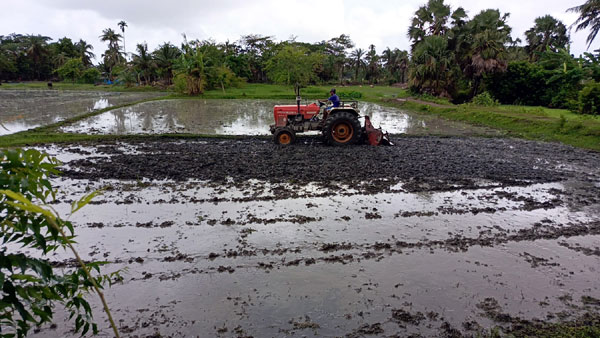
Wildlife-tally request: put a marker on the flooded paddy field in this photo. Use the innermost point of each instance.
(25, 109)
(244, 117)
(437, 236)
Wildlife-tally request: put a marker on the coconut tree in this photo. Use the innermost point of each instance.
(112, 37)
(113, 55)
(165, 57)
(589, 16)
(547, 33)
(357, 60)
(389, 58)
(372, 64)
(85, 52)
(396, 64)
(143, 63)
(37, 51)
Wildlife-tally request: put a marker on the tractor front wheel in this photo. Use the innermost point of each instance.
(342, 128)
(284, 136)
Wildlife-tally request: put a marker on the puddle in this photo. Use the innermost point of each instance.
(200, 260)
(25, 109)
(242, 117)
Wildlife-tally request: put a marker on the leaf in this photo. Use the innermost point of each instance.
(15, 196)
(28, 278)
(34, 209)
(84, 201)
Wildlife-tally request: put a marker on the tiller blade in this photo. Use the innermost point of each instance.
(376, 136)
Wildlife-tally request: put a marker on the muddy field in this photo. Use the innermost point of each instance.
(434, 237)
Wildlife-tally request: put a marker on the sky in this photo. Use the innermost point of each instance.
(383, 23)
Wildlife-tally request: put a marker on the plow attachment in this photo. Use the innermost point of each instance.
(375, 136)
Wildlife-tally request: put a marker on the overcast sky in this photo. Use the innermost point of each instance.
(380, 22)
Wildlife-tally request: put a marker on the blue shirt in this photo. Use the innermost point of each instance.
(335, 100)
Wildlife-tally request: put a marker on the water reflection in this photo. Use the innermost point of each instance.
(237, 117)
(25, 109)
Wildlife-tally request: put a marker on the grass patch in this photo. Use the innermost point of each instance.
(534, 123)
(38, 85)
(269, 91)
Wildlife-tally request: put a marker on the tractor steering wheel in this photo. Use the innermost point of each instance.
(321, 103)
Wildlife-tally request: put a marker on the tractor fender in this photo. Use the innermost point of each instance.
(345, 110)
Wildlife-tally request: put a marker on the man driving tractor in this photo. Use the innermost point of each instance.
(334, 99)
(335, 102)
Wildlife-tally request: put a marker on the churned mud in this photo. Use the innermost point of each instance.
(436, 236)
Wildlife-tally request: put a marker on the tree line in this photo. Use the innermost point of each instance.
(451, 55)
(459, 57)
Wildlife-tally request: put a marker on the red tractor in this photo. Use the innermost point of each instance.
(338, 125)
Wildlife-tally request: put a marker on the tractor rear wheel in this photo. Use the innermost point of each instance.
(342, 128)
(284, 136)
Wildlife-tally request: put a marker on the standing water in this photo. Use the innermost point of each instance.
(242, 117)
(26, 109)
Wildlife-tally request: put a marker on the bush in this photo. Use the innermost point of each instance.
(91, 75)
(71, 70)
(589, 99)
(30, 231)
(522, 83)
(485, 99)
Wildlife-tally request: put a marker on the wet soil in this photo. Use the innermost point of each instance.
(445, 237)
(423, 163)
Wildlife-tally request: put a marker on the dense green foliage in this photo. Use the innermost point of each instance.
(452, 55)
(457, 57)
(589, 99)
(31, 287)
(554, 81)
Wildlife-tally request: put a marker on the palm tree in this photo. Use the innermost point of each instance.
(357, 55)
(372, 64)
(165, 56)
(122, 24)
(143, 62)
(85, 52)
(190, 65)
(547, 33)
(401, 57)
(112, 56)
(432, 19)
(432, 64)
(486, 52)
(389, 59)
(37, 51)
(589, 16)
(112, 37)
